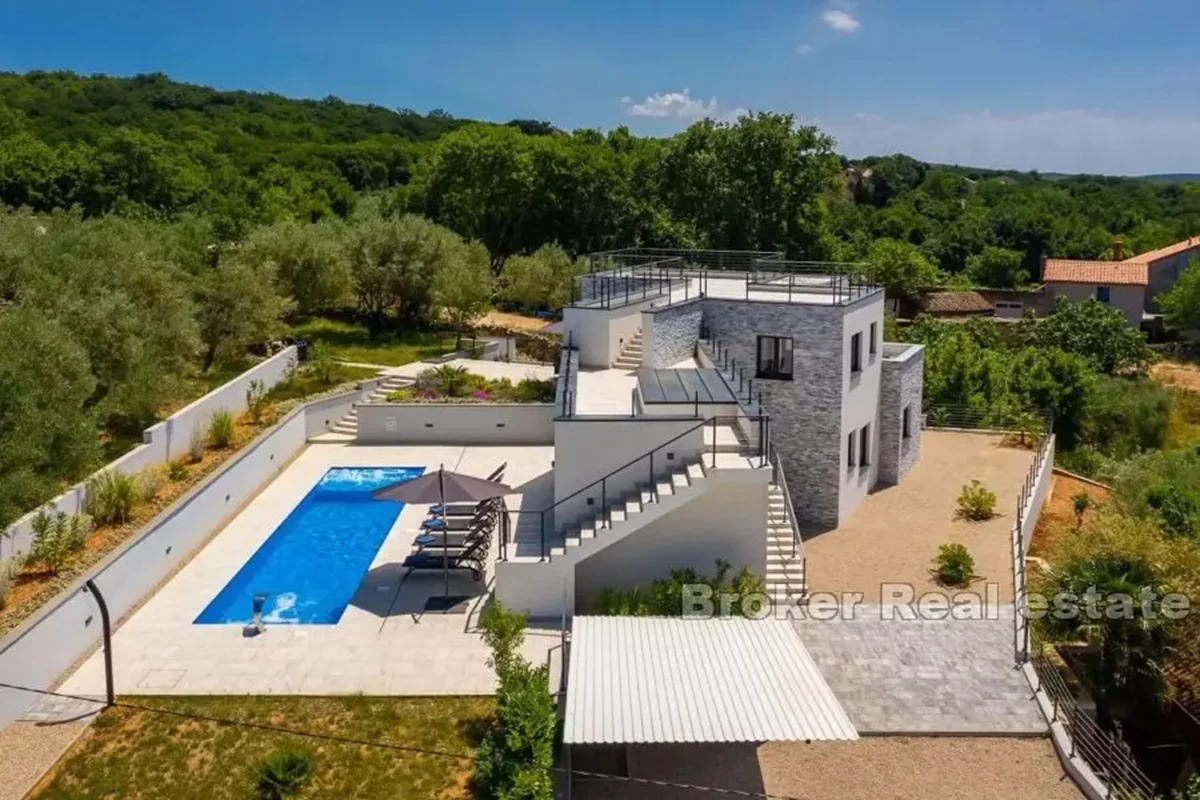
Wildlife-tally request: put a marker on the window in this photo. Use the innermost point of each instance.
(850, 451)
(774, 357)
(1102, 294)
(874, 336)
(864, 446)
(856, 352)
(906, 422)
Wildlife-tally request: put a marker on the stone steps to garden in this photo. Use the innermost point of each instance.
(631, 353)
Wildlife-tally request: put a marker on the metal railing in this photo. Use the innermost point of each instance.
(717, 260)
(1109, 758)
(779, 478)
(567, 379)
(510, 524)
(733, 374)
(617, 283)
(843, 283)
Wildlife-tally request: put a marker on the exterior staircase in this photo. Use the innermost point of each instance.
(785, 555)
(631, 353)
(347, 427)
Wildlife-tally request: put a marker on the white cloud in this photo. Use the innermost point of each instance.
(1052, 141)
(805, 49)
(840, 21)
(680, 105)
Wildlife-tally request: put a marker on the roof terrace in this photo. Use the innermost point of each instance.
(633, 275)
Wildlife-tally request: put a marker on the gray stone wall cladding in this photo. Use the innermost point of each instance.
(900, 386)
(806, 411)
(673, 335)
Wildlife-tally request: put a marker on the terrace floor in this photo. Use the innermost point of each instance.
(383, 643)
(893, 536)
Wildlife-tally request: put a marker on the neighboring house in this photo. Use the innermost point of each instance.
(696, 387)
(1002, 304)
(1132, 285)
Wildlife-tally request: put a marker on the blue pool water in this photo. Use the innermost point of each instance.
(312, 564)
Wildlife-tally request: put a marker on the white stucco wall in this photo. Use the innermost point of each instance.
(728, 521)
(463, 423)
(1129, 300)
(67, 628)
(860, 403)
(162, 442)
(599, 333)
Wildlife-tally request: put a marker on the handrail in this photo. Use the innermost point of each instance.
(781, 482)
(602, 481)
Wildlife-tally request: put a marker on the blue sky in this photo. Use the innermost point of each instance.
(1062, 85)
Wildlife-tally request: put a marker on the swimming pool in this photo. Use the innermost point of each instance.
(312, 564)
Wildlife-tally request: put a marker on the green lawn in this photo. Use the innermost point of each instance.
(135, 754)
(350, 341)
(305, 382)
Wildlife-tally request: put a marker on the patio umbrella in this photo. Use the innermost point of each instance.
(443, 487)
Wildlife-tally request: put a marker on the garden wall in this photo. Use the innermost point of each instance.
(66, 629)
(162, 442)
(456, 423)
(324, 414)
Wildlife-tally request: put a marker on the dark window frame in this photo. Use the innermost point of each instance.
(906, 423)
(1104, 294)
(777, 359)
(872, 345)
(864, 446)
(856, 353)
(852, 449)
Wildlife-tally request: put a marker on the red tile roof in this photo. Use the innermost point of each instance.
(1101, 273)
(1166, 252)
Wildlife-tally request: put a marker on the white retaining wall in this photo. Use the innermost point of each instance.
(600, 333)
(465, 423)
(65, 630)
(162, 442)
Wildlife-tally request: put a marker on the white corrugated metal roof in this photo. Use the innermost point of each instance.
(653, 679)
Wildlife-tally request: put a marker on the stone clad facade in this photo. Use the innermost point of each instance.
(669, 334)
(901, 388)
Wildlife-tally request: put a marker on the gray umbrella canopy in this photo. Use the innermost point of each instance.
(442, 486)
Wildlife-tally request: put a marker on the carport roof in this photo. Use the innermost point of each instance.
(651, 679)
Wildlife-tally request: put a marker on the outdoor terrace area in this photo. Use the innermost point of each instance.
(634, 275)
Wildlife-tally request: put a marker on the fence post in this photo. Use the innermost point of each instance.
(106, 630)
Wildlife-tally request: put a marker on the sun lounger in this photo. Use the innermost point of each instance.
(473, 558)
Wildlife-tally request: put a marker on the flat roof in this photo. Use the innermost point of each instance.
(683, 386)
(654, 679)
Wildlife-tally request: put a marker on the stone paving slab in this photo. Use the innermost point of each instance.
(953, 676)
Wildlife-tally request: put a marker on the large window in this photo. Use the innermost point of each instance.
(1102, 293)
(856, 352)
(774, 357)
(864, 446)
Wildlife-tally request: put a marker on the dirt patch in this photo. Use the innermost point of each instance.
(885, 768)
(504, 319)
(893, 536)
(1174, 373)
(1058, 512)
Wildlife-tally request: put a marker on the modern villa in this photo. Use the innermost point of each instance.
(705, 406)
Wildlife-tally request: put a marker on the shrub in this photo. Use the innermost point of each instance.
(197, 444)
(665, 596)
(177, 471)
(954, 565)
(150, 481)
(1080, 503)
(283, 774)
(256, 401)
(220, 429)
(976, 502)
(112, 496)
(321, 363)
(55, 537)
(531, 390)
(516, 755)
(6, 576)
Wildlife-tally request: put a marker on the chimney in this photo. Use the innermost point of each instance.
(1118, 250)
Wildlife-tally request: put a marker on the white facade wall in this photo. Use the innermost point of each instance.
(728, 521)
(599, 333)
(463, 423)
(1129, 300)
(162, 442)
(68, 628)
(860, 404)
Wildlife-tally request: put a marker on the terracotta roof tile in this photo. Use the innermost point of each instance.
(955, 302)
(1101, 273)
(1166, 252)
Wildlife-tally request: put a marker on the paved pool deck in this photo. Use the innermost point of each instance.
(384, 644)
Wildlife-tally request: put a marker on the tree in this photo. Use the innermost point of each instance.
(899, 268)
(1055, 381)
(542, 280)
(239, 306)
(1094, 331)
(1181, 305)
(998, 268)
(310, 261)
(462, 286)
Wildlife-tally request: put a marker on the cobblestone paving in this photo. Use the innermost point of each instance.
(924, 676)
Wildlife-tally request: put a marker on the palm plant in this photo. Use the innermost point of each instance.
(283, 775)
